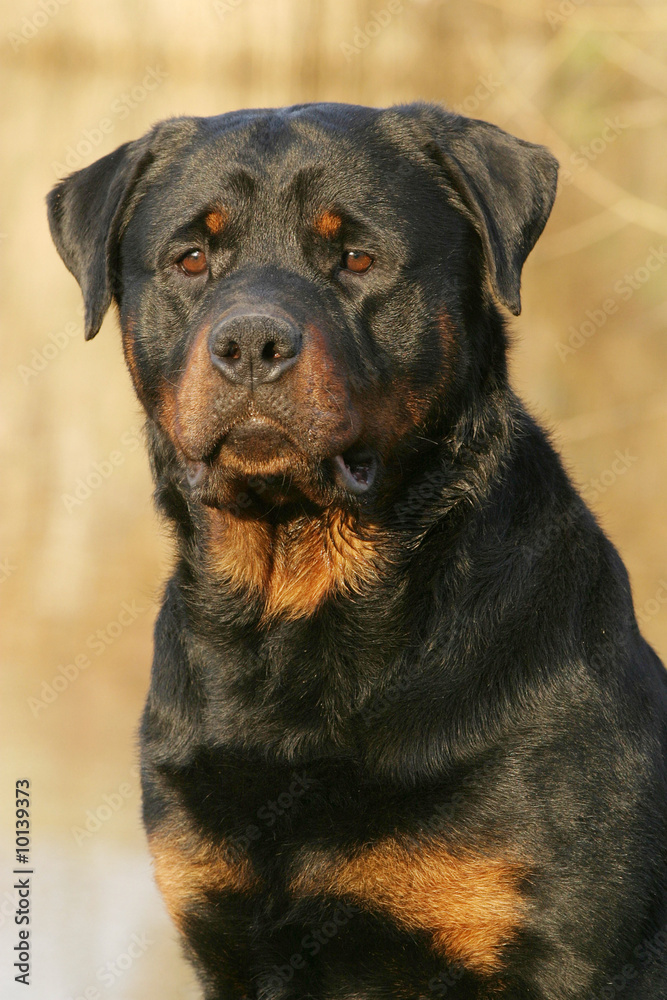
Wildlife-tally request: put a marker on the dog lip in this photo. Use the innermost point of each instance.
(258, 431)
(195, 473)
(355, 472)
(197, 459)
(354, 467)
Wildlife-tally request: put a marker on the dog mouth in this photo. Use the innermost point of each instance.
(259, 450)
(355, 470)
(195, 473)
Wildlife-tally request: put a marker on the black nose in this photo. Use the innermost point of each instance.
(254, 348)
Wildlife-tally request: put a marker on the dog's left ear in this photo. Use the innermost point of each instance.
(506, 187)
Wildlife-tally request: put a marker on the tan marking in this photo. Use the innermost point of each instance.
(293, 567)
(450, 348)
(188, 868)
(317, 398)
(217, 220)
(189, 416)
(167, 411)
(320, 392)
(389, 415)
(127, 331)
(392, 413)
(469, 904)
(327, 224)
(445, 324)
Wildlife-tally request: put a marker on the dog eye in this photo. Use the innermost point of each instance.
(193, 262)
(356, 260)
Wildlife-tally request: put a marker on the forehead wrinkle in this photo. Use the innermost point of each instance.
(266, 144)
(299, 154)
(241, 182)
(302, 186)
(302, 175)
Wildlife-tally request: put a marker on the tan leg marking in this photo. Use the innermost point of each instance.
(469, 904)
(187, 869)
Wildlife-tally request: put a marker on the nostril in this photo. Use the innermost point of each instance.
(271, 351)
(231, 350)
(254, 348)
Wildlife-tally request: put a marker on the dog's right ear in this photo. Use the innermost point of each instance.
(88, 209)
(85, 213)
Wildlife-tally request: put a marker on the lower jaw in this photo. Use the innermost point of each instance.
(255, 495)
(255, 486)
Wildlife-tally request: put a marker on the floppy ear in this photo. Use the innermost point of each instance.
(506, 188)
(85, 213)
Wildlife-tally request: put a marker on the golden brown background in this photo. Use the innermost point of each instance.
(588, 79)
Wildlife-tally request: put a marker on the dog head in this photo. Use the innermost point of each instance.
(297, 287)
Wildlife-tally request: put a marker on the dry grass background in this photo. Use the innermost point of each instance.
(556, 72)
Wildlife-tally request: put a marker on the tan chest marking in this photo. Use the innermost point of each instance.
(187, 869)
(293, 567)
(470, 905)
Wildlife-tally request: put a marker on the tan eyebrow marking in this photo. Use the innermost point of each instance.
(328, 223)
(217, 219)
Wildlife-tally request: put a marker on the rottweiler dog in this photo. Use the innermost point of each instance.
(403, 738)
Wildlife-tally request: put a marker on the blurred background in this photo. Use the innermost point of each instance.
(82, 555)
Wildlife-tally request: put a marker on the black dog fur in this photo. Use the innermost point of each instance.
(403, 737)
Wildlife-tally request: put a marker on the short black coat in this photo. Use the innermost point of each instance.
(403, 737)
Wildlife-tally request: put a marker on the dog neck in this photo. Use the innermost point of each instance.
(292, 567)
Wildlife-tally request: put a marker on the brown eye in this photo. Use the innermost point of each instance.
(193, 262)
(356, 260)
